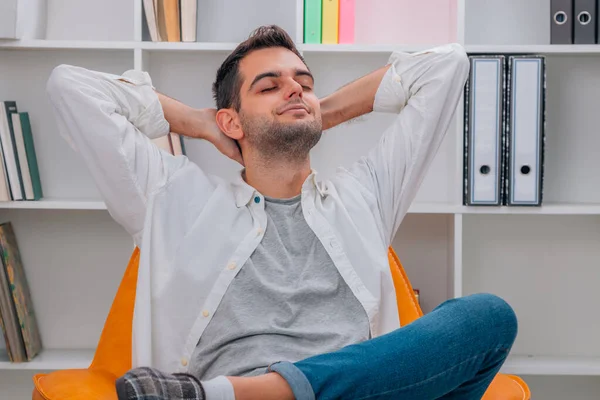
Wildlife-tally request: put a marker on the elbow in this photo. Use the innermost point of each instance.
(460, 59)
(58, 79)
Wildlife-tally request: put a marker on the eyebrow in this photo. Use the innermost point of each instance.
(277, 74)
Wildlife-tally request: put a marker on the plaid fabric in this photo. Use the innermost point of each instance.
(146, 383)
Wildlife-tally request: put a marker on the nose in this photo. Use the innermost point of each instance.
(293, 89)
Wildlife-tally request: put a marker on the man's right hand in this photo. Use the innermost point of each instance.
(198, 124)
(206, 128)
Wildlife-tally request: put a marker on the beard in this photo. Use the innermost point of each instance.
(276, 140)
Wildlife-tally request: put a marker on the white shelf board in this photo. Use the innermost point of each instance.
(304, 47)
(67, 44)
(361, 48)
(415, 208)
(549, 49)
(186, 46)
(51, 360)
(55, 204)
(549, 365)
(548, 209)
(431, 208)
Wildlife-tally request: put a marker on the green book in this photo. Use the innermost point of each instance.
(19, 289)
(312, 21)
(34, 172)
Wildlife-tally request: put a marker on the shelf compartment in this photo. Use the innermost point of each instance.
(73, 262)
(546, 268)
(63, 173)
(493, 22)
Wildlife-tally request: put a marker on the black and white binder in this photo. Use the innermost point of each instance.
(584, 21)
(561, 21)
(483, 134)
(525, 130)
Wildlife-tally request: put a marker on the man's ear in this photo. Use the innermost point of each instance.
(229, 122)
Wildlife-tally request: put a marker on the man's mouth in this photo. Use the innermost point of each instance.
(294, 108)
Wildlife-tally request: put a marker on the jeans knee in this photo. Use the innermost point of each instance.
(497, 316)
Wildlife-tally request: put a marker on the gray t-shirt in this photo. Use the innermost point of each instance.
(288, 302)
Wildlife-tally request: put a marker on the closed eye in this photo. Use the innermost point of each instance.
(268, 89)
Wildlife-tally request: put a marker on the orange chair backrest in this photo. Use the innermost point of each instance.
(113, 353)
(408, 306)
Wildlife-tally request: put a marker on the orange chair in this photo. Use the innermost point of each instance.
(113, 354)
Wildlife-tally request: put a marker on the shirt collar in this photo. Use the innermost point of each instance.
(244, 192)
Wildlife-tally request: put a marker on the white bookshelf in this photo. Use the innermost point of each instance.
(543, 261)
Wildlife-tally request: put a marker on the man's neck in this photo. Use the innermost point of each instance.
(277, 179)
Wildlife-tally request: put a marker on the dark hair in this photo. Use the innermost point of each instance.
(226, 88)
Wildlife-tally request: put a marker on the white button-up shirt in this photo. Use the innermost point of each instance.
(195, 230)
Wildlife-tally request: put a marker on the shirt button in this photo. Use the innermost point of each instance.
(231, 266)
(257, 199)
(205, 313)
(184, 361)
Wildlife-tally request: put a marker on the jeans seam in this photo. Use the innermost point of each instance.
(503, 348)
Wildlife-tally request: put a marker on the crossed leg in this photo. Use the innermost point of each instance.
(453, 352)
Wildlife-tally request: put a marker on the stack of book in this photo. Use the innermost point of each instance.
(17, 317)
(329, 21)
(19, 174)
(171, 20)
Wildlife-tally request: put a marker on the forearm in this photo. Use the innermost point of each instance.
(178, 115)
(352, 100)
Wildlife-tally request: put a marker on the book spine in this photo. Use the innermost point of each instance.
(9, 150)
(22, 157)
(347, 19)
(9, 320)
(20, 290)
(312, 21)
(330, 27)
(188, 20)
(31, 156)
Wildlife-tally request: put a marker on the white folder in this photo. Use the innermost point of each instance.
(526, 128)
(484, 122)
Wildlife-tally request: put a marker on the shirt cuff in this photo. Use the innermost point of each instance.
(390, 96)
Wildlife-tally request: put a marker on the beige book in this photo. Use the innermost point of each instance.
(188, 20)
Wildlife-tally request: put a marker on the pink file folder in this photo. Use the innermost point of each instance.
(420, 22)
(346, 27)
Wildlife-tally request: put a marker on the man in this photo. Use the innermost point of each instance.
(277, 285)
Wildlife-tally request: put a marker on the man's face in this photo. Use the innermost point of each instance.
(280, 113)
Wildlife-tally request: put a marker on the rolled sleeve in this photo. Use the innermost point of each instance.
(424, 89)
(110, 120)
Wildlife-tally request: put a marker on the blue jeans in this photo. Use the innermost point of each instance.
(453, 352)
